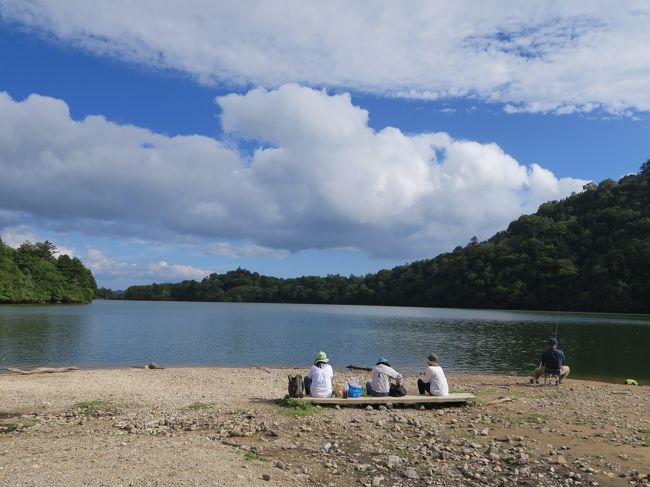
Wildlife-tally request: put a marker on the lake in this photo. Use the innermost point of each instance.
(130, 333)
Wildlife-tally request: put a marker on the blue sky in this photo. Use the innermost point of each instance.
(161, 155)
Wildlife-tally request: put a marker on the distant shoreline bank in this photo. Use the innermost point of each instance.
(409, 372)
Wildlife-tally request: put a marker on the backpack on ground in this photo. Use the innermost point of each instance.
(296, 386)
(397, 390)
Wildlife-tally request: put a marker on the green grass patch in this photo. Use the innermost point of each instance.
(120, 433)
(198, 405)
(292, 407)
(96, 407)
(7, 426)
(250, 455)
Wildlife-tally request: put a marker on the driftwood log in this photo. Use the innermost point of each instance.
(358, 367)
(42, 370)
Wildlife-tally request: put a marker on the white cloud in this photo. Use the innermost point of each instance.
(321, 179)
(107, 269)
(64, 251)
(543, 56)
(15, 236)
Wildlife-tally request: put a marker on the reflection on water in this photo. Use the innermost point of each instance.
(125, 333)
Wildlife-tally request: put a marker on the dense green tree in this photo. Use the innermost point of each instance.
(33, 273)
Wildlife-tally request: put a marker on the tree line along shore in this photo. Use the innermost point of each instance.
(587, 252)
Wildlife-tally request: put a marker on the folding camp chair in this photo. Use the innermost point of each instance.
(551, 374)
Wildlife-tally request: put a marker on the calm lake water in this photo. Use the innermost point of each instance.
(127, 333)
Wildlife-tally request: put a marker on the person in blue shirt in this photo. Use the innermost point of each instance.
(553, 362)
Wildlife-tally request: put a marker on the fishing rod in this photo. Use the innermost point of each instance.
(557, 321)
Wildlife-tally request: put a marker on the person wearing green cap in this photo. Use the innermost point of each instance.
(318, 381)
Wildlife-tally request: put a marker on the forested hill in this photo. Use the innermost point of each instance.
(588, 252)
(32, 274)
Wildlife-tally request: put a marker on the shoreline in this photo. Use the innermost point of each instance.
(225, 426)
(410, 371)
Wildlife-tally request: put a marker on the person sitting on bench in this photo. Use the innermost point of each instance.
(318, 381)
(433, 379)
(382, 373)
(552, 363)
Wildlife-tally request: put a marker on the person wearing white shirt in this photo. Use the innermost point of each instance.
(382, 373)
(433, 379)
(318, 382)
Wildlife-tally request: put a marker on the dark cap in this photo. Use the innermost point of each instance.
(432, 358)
(552, 341)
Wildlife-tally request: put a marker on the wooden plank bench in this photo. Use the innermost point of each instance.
(453, 398)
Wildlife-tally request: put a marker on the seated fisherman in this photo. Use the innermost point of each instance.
(433, 379)
(382, 373)
(552, 363)
(318, 381)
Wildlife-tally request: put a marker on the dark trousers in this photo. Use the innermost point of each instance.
(424, 387)
(307, 381)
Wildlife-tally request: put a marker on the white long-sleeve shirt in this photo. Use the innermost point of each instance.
(381, 375)
(435, 376)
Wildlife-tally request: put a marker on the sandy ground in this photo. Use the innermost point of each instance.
(209, 426)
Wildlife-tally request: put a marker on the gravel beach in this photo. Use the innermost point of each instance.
(226, 427)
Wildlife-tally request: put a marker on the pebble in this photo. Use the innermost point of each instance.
(393, 461)
(411, 473)
(266, 476)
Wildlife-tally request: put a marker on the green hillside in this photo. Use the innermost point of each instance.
(32, 274)
(588, 252)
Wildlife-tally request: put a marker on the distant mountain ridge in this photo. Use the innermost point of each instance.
(587, 252)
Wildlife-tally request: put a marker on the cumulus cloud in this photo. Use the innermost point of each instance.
(106, 268)
(320, 178)
(14, 236)
(541, 56)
